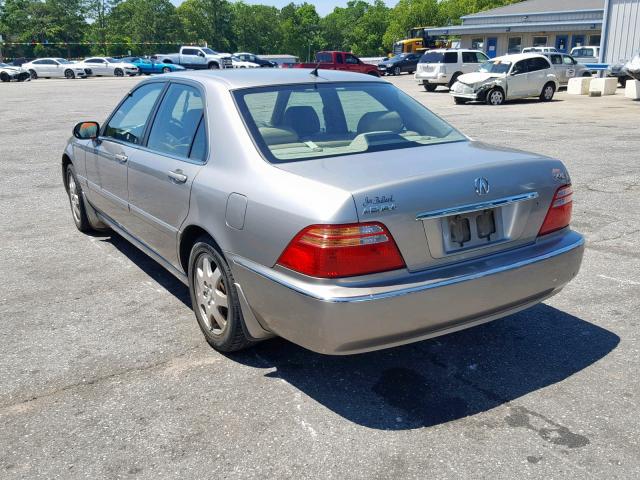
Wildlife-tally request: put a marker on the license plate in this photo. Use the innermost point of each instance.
(470, 230)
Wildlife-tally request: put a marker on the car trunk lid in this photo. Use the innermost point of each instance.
(412, 190)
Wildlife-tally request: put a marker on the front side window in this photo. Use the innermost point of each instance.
(519, 68)
(129, 121)
(567, 60)
(177, 120)
(208, 51)
(337, 119)
(350, 59)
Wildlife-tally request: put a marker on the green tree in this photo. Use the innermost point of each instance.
(255, 28)
(408, 14)
(300, 30)
(207, 21)
(143, 27)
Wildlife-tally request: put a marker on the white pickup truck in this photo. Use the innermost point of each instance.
(196, 58)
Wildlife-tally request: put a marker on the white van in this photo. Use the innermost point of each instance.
(443, 66)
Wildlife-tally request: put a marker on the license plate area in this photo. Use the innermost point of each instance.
(472, 230)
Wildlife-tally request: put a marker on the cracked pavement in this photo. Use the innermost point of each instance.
(105, 374)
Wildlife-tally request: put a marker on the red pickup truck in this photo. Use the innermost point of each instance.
(340, 61)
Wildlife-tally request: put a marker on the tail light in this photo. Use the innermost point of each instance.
(332, 251)
(559, 214)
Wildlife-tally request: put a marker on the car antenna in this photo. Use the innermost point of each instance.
(314, 72)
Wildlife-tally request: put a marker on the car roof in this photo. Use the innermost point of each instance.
(232, 79)
(521, 56)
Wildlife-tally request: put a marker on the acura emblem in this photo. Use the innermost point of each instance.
(482, 185)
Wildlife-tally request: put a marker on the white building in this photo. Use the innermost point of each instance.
(562, 24)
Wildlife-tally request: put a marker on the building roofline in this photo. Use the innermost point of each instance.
(523, 14)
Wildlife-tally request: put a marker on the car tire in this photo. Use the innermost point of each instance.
(214, 66)
(460, 100)
(430, 87)
(166, 70)
(548, 91)
(118, 72)
(215, 299)
(453, 80)
(397, 71)
(495, 96)
(74, 192)
(4, 77)
(69, 74)
(622, 81)
(33, 74)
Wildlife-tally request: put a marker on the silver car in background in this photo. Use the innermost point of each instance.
(566, 67)
(327, 207)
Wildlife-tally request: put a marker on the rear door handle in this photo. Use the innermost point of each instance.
(121, 157)
(177, 176)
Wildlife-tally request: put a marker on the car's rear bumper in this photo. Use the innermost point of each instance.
(333, 319)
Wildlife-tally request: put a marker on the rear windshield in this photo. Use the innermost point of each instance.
(300, 122)
(495, 66)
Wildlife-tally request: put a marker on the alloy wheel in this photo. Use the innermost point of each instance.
(496, 97)
(548, 92)
(211, 294)
(74, 197)
(396, 71)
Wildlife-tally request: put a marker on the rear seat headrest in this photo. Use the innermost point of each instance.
(380, 122)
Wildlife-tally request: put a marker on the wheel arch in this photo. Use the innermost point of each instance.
(213, 62)
(66, 161)
(188, 239)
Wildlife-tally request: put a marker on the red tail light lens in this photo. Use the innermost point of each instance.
(559, 214)
(332, 251)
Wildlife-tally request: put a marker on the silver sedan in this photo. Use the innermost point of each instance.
(327, 207)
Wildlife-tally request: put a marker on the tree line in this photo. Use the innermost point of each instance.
(74, 28)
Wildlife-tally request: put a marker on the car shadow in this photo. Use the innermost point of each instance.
(443, 379)
(149, 266)
(430, 382)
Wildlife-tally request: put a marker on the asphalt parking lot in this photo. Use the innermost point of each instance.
(105, 374)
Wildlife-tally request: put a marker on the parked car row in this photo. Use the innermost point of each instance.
(188, 57)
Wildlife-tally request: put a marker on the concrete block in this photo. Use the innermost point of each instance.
(632, 89)
(603, 86)
(579, 86)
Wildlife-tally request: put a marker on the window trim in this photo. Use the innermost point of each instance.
(154, 114)
(143, 145)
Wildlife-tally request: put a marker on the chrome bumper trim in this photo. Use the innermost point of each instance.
(281, 279)
(474, 207)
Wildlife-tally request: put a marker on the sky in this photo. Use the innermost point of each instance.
(323, 7)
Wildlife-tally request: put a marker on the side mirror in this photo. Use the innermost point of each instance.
(86, 130)
(200, 54)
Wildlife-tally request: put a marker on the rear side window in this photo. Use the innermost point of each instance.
(177, 120)
(324, 57)
(469, 57)
(189, 51)
(129, 121)
(536, 64)
(451, 57)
